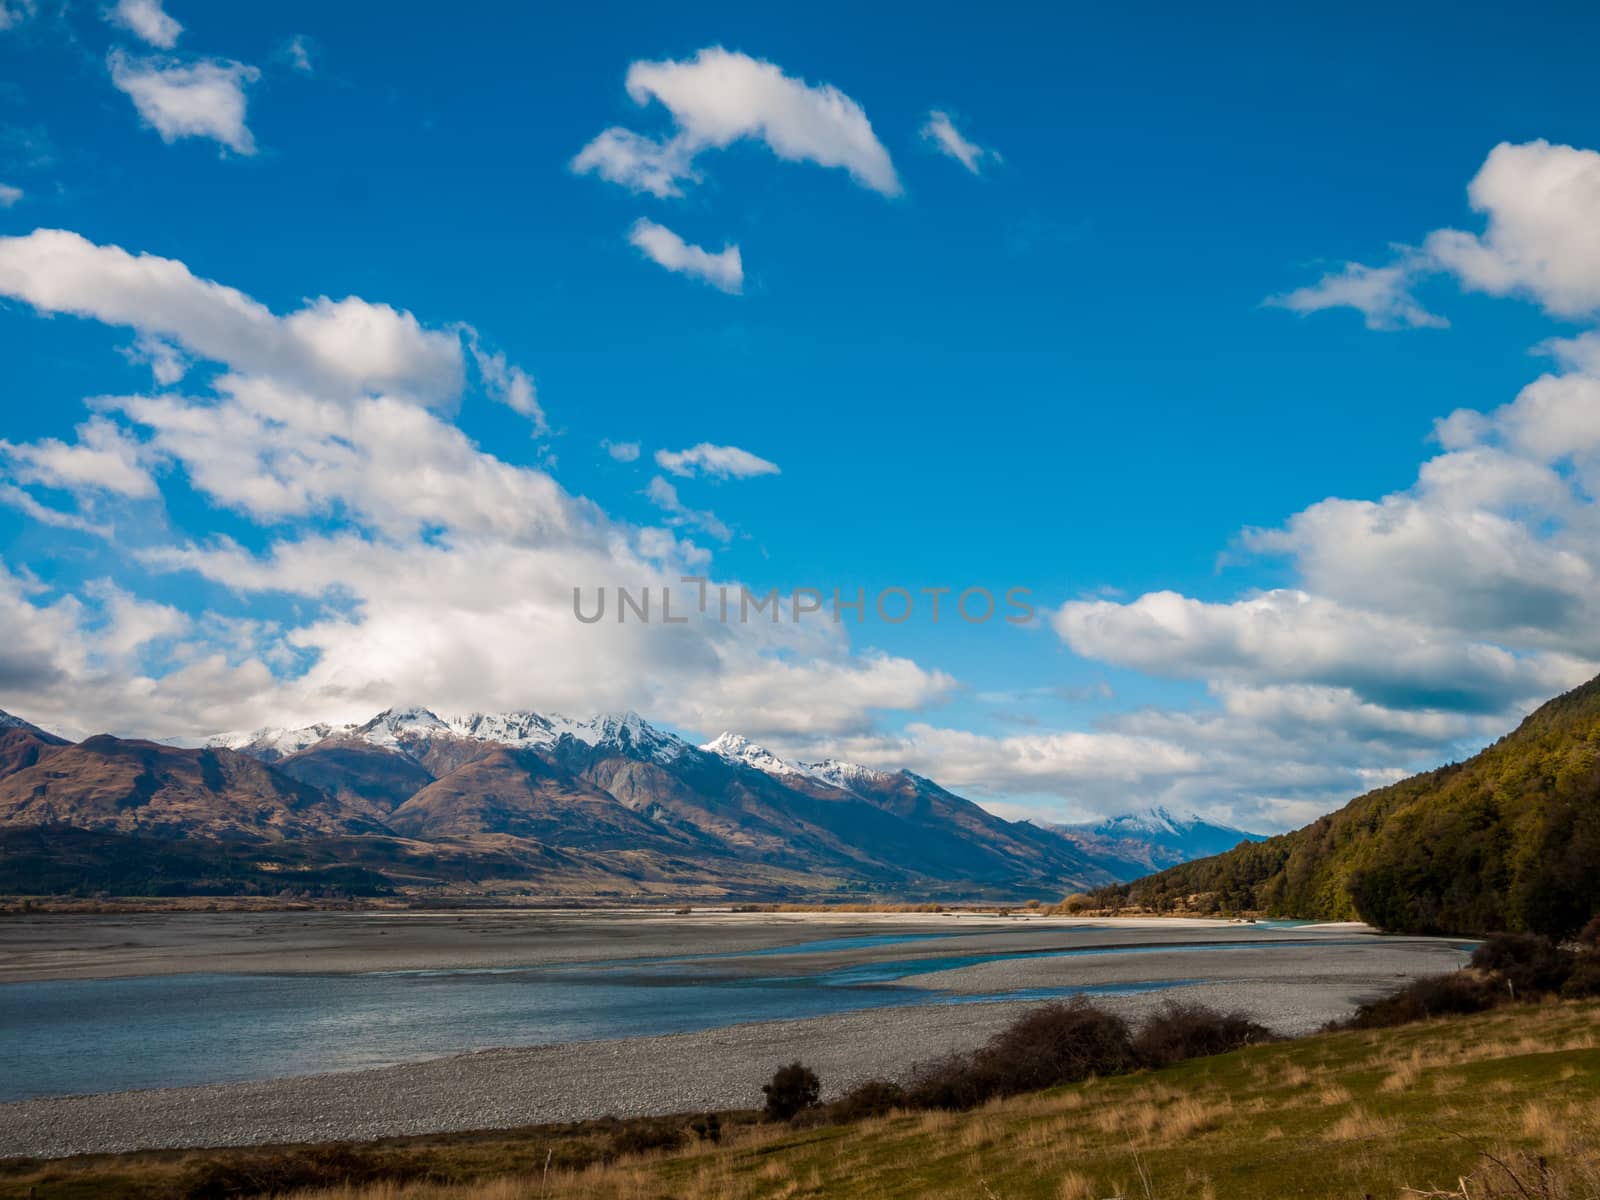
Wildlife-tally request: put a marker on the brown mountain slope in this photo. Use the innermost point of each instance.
(519, 793)
(364, 778)
(22, 745)
(107, 783)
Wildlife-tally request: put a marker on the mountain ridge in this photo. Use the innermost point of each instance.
(1507, 840)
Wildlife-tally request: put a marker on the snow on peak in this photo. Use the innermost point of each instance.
(391, 726)
(271, 743)
(7, 721)
(844, 775)
(625, 731)
(402, 728)
(737, 748)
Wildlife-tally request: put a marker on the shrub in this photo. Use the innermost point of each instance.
(1179, 1031)
(873, 1098)
(1053, 1044)
(707, 1128)
(793, 1089)
(1589, 937)
(951, 1082)
(1530, 963)
(262, 1174)
(1432, 996)
(1584, 980)
(1057, 1043)
(636, 1137)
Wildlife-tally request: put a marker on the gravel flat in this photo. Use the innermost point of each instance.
(1292, 979)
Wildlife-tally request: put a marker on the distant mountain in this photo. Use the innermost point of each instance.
(1508, 840)
(611, 800)
(1137, 843)
(934, 828)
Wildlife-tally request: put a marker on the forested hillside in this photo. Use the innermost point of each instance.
(1509, 839)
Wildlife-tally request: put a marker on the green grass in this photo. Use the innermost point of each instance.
(1338, 1115)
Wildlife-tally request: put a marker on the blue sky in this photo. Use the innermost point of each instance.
(1058, 366)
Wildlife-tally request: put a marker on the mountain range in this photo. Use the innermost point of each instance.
(1507, 840)
(522, 802)
(1135, 844)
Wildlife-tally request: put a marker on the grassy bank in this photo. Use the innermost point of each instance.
(1337, 1115)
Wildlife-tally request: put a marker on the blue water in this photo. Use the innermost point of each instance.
(62, 1037)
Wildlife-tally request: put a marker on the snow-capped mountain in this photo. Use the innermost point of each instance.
(405, 729)
(843, 775)
(1154, 838)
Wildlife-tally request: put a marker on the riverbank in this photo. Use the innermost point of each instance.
(941, 987)
(1367, 1112)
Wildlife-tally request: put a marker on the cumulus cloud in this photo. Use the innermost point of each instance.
(1264, 758)
(1290, 636)
(146, 20)
(1542, 204)
(347, 346)
(626, 452)
(1381, 294)
(390, 556)
(9, 195)
(720, 462)
(723, 270)
(719, 97)
(1541, 240)
(203, 99)
(939, 130)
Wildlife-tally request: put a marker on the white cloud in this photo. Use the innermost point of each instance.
(166, 362)
(104, 458)
(723, 270)
(626, 452)
(721, 462)
(1291, 637)
(299, 54)
(204, 99)
(1542, 202)
(719, 97)
(415, 563)
(665, 497)
(1381, 294)
(9, 195)
(510, 385)
(637, 162)
(14, 12)
(1541, 240)
(939, 130)
(145, 19)
(348, 346)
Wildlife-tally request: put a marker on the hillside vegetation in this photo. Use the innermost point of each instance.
(1508, 840)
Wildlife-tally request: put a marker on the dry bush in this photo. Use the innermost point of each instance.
(1053, 1044)
(793, 1089)
(1178, 1031)
(1433, 996)
(874, 1098)
(1532, 964)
